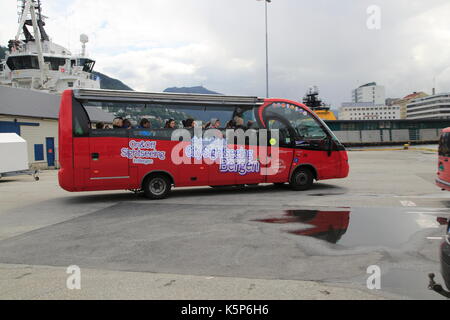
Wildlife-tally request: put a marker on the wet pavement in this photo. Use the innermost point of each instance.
(334, 245)
(390, 215)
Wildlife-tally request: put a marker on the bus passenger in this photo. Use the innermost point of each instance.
(145, 124)
(215, 124)
(189, 123)
(230, 124)
(118, 123)
(100, 126)
(239, 123)
(170, 124)
(127, 124)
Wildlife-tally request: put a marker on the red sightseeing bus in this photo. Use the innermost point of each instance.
(443, 180)
(279, 141)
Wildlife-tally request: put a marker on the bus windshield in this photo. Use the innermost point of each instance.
(303, 123)
(444, 145)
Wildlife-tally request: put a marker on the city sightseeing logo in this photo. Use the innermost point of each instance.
(143, 152)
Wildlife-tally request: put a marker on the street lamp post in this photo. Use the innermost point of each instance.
(267, 49)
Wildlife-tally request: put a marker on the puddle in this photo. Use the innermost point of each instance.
(356, 227)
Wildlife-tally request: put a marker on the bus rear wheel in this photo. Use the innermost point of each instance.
(157, 187)
(302, 179)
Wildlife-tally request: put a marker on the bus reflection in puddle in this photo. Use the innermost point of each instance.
(329, 226)
(370, 227)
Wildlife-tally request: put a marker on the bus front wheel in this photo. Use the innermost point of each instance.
(302, 179)
(157, 187)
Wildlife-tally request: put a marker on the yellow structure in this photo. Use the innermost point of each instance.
(326, 115)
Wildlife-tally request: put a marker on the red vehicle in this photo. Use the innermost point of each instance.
(298, 148)
(443, 180)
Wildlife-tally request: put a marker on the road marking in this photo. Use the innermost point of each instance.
(408, 204)
(435, 238)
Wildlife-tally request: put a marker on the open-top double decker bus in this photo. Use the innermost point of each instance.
(256, 141)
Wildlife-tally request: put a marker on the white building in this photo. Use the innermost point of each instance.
(431, 107)
(368, 111)
(33, 115)
(369, 93)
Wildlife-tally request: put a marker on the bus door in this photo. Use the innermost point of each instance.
(220, 172)
(195, 171)
(314, 146)
(109, 157)
(249, 168)
(280, 150)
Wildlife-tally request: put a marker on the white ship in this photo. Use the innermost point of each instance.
(35, 62)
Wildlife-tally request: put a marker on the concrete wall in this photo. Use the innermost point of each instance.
(371, 136)
(37, 135)
(376, 136)
(348, 136)
(400, 135)
(430, 134)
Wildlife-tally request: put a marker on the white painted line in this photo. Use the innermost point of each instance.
(435, 238)
(408, 204)
(426, 212)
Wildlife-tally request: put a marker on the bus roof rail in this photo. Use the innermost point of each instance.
(163, 98)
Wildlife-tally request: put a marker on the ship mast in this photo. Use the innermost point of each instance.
(32, 15)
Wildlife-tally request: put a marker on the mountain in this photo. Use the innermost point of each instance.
(223, 115)
(197, 90)
(111, 83)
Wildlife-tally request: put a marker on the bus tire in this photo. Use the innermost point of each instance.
(157, 187)
(302, 179)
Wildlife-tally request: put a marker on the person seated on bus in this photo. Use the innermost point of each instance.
(118, 123)
(188, 124)
(230, 125)
(145, 124)
(127, 124)
(100, 126)
(170, 124)
(239, 123)
(214, 124)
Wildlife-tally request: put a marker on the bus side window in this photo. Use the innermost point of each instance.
(81, 122)
(285, 134)
(251, 137)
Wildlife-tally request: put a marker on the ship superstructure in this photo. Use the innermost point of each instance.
(33, 61)
(312, 101)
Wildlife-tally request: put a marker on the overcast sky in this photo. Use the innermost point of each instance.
(155, 44)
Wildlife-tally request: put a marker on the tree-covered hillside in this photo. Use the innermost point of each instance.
(107, 82)
(198, 90)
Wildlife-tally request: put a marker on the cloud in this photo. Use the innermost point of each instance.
(155, 44)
